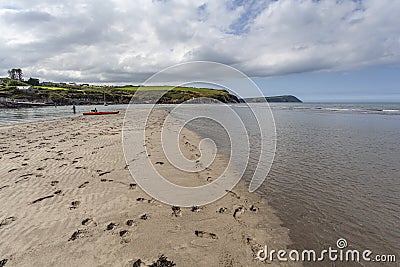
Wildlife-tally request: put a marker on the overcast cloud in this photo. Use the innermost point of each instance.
(120, 41)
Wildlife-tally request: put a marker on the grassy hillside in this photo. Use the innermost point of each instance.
(68, 94)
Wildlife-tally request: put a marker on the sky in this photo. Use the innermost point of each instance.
(343, 50)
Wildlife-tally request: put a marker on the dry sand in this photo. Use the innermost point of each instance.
(67, 199)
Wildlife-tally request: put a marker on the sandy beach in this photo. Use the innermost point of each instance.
(68, 199)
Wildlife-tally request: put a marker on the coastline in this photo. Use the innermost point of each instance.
(69, 199)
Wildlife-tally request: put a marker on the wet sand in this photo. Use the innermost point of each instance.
(68, 199)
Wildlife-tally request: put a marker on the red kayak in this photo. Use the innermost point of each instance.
(100, 112)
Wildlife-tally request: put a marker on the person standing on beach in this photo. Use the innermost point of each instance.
(74, 109)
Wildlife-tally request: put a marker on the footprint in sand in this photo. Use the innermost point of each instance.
(135, 263)
(195, 209)
(159, 163)
(176, 211)
(141, 199)
(76, 234)
(205, 234)
(4, 261)
(89, 222)
(74, 204)
(253, 208)
(163, 261)
(222, 210)
(130, 222)
(132, 186)
(53, 183)
(144, 216)
(238, 212)
(233, 194)
(123, 233)
(110, 226)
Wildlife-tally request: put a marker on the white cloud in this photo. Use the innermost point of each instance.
(128, 40)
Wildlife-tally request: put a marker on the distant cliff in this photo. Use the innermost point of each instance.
(274, 99)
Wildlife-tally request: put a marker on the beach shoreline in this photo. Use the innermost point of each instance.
(68, 199)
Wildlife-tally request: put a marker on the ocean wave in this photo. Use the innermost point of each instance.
(384, 109)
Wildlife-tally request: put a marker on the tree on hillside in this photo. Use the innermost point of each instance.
(20, 74)
(15, 74)
(12, 75)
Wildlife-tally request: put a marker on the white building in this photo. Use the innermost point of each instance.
(26, 89)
